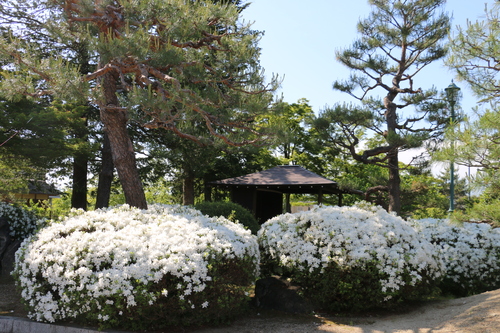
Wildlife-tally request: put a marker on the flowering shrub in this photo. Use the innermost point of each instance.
(123, 267)
(471, 254)
(22, 222)
(351, 258)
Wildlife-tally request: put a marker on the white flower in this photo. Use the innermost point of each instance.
(350, 236)
(470, 252)
(108, 252)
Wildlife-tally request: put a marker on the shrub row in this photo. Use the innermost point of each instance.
(172, 265)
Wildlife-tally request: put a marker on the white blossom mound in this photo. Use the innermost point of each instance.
(22, 223)
(471, 253)
(105, 261)
(350, 237)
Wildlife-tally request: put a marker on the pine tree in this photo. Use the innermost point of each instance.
(398, 39)
(474, 54)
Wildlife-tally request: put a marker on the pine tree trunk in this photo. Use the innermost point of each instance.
(79, 190)
(394, 184)
(81, 160)
(105, 176)
(115, 119)
(188, 190)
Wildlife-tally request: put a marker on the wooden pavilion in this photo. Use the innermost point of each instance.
(39, 193)
(262, 192)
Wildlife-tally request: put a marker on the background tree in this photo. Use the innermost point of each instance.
(474, 53)
(294, 123)
(36, 140)
(398, 40)
(29, 20)
(150, 57)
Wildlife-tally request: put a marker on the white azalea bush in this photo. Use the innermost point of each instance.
(351, 258)
(471, 253)
(22, 222)
(138, 269)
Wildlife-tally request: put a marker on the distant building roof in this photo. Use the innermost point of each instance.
(42, 187)
(287, 178)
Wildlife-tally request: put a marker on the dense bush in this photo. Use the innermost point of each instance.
(351, 258)
(232, 211)
(22, 222)
(471, 254)
(123, 267)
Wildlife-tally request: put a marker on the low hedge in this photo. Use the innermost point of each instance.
(232, 211)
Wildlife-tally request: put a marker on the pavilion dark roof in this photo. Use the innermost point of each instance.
(285, 175)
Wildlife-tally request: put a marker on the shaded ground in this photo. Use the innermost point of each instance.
(475, 314)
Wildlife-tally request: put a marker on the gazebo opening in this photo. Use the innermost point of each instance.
(262, 192)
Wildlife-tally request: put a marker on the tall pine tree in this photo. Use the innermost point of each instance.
(397, 40)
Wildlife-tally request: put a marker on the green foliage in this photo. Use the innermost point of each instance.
(483, 209)
(15, 173)
(424, 196)
(474, 53)
(61, 206)
(233, 211)
(355, 289)
(473, 143)
(293, 129)
(473, 56)
(191, 68)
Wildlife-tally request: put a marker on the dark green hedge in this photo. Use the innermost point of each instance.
(232, 211)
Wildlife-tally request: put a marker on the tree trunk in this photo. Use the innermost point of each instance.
(81, 160)
(115, 119)
(394, 184)
(188, 190)
(207, 190)
(79, 192)
(105, 176)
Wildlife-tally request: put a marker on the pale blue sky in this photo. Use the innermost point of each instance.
(301, 38)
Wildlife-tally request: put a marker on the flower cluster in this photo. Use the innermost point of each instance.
(109, 261)
(22, 222)
(352, 237)
(471, 253)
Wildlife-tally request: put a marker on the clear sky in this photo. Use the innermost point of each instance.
(301, 38)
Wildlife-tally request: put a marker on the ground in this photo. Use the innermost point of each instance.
(475, 314)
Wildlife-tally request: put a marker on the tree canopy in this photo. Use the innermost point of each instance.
(173, 65)
(474, 53)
